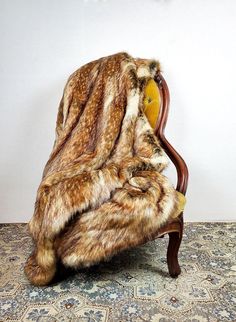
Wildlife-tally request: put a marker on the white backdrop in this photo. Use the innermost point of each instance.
(42, 42)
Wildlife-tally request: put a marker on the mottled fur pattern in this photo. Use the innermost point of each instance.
(102, 189)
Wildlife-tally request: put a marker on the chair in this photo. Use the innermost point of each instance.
(175, 226)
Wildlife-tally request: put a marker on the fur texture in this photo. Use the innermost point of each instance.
(102, 189)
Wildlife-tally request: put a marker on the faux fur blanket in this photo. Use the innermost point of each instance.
(102, 189)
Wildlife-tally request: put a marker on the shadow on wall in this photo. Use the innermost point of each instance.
(38, 128)
(32, 143)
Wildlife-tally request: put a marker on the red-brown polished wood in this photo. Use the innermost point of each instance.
(174, 227)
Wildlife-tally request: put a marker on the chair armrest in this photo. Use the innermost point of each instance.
(181, 167)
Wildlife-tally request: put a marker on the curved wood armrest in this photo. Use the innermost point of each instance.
(173, 227)
(181, 167)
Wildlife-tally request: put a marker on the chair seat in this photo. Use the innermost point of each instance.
(173, 225)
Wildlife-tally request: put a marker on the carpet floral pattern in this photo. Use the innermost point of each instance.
(133, 286)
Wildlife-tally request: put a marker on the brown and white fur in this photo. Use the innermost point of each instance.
(102, 189)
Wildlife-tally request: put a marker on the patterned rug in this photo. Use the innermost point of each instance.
(133, 286)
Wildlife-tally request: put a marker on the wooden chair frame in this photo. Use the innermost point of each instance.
(174, 227)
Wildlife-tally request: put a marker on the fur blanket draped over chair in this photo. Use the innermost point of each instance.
(102, 189)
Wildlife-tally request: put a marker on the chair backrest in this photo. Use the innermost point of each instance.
(165, 100)
(181, 167)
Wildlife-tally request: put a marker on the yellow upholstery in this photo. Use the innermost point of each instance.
(181, 204)
(152, 102)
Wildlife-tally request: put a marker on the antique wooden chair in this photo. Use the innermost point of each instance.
(175, 226)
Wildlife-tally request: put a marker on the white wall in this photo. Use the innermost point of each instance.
(42, 42)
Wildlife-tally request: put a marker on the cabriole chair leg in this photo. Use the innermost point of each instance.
(172, 254)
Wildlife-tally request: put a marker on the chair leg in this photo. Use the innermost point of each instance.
(172, 253)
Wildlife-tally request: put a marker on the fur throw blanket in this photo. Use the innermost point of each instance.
(102, 189)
